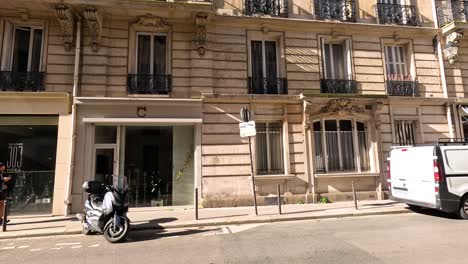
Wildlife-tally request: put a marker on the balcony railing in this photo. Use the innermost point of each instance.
(266, 7)
(267, 85)
(22, 81)
(396, 14)
(452, 11)
(402, 88)
(149, 84)
(336, 10)
(338, 86)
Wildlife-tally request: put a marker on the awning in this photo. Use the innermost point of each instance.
(143, 121)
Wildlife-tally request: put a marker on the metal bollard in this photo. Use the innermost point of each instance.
(5, 216)
(196, 203)
(354, 196)
(278, 195)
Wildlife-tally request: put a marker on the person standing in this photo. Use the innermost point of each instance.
(3, 190)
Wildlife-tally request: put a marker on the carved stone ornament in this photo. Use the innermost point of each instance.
(67, 24)
(307, 110)
(200, 21)
(342, 105)
(94, 18)
(151, 23)
(451, 47)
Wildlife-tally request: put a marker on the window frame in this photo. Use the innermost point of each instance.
(152, 35)
(263, 36)
(348, 67)
(414, 122)
(268, 152)
(6, 45)
(409, 56)
(31, 44)
(264, 59)
(356, 152)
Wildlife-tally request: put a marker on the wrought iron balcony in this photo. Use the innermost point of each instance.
(267, 85)
(266, 7)
(338, 86)
(22, 81)
(452, 11)
(149, 84)
(396, 14)
(402, 88)
(336, 10)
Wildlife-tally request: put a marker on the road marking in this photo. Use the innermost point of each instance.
(56, 248)
(172, 236)
(93, 246)
(20, 247)
(76, 247)
(36, 249)
(4, 248)
(226, 230)
(68, 244)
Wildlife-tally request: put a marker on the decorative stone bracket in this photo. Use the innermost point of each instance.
(451, 47)
(201, 19)
(67, 24)
(94, 18)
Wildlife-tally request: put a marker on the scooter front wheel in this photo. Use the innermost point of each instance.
(117, 234)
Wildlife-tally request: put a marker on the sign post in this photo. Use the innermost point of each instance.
(247, 129)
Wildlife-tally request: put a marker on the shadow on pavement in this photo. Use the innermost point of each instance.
(43, 221)
(433, 212)
(139, 236)
(153, 224)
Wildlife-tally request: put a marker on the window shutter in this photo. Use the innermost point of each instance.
(7, 47)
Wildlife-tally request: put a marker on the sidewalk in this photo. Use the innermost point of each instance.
(179, 217)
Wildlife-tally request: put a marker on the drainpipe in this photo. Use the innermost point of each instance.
(442, 71)
(76, 73)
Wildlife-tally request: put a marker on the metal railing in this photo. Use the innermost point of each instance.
(267, 85)
(452, 11)
(338, 86)
(22, 81)
(396, 14)
(336, 10)
(149, 84)
(266, 7)
(402, 88)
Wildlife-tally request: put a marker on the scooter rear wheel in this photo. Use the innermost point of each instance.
(119, 234)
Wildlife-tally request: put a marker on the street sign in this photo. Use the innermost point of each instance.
(247, 129)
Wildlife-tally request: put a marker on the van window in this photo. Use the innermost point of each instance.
(456, 159)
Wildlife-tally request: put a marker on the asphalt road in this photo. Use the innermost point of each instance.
(405, 238)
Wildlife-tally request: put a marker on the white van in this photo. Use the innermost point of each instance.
(430, 176)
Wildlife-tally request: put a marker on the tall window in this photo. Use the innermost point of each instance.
(337, 61)
(269, 149)
(22, 49)
(405, 132)
(152, 54)
(395, 63)
(341, 146)
(264, 77)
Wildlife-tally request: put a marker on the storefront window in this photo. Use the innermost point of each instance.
(29, 153)
(157, 162)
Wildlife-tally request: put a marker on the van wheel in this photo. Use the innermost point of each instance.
(463, 212)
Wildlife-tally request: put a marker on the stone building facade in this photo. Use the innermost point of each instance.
(151, 90)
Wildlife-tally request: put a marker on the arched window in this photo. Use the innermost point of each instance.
(341, 146)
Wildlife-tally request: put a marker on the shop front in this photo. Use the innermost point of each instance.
(156, 150)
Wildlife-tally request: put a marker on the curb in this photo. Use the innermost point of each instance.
(145, 227)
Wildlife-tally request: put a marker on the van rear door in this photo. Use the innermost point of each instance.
(456, 170)
(412, 175)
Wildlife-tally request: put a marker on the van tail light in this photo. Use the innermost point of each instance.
(437, 175)
(389, 176)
